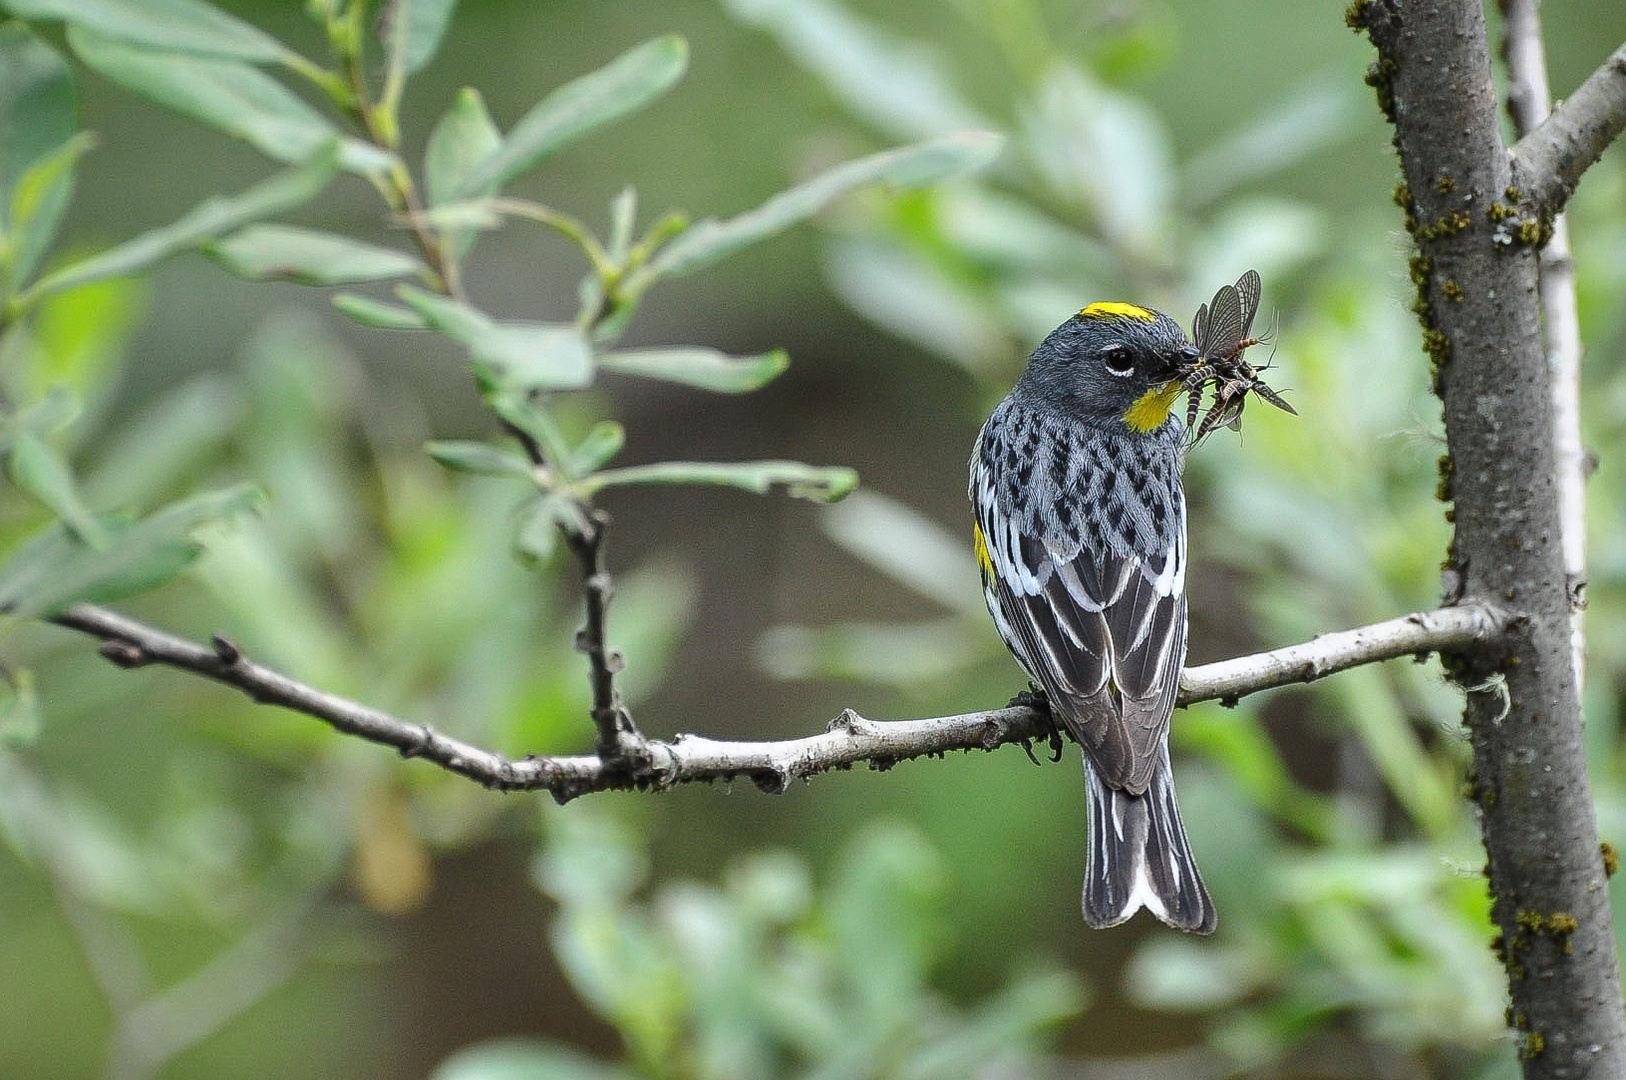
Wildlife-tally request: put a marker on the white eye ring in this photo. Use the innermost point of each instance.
(1118, 361)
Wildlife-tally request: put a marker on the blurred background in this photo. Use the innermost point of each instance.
(192, 886)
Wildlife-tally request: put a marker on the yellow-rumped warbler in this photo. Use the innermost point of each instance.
(1081, 539)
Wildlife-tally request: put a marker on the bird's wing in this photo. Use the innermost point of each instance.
(1104, 636)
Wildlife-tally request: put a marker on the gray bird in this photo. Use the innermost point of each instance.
(1081, 539)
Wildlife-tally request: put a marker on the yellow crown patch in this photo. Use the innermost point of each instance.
(1115, 310)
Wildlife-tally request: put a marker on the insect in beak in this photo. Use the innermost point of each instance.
(1220, 333)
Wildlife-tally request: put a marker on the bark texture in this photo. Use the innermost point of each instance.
(1476, 274)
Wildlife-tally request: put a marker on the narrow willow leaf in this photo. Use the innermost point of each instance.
(55, 569)
(203, 223)
(413, 29)
(906, 545)
(370, 312)
(187, 26)
(38, 202)
(20, 721)
(464, 135)
(513, 1059)
(901, 87)
(537, 537)
(911, 166)
(818, 483)
(528, 355)
(707, 369)
(480, 458)
(624, 85)
(49, 414)
(40, 471)
(529, 416)
(623, 216)
(468, 215)
(602, 443)
(38, 106)
(227, 95)
(262, 252)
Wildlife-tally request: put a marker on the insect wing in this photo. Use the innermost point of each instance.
(1274, 398)
(1224, 329)
(1248, 290)
(1199, 329)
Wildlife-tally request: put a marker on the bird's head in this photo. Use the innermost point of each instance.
(1111, 363)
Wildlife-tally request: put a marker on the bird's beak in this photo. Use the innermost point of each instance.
(1178, 365)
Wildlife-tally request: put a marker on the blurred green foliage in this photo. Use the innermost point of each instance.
(1318, 523)
(182, 868)
(764, 977)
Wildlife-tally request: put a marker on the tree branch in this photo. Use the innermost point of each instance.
(1476, 272)
(1529, 103)
(1548, 162)
(619, 740)
(851, 739)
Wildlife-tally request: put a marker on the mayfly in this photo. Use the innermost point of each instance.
(1220, 331)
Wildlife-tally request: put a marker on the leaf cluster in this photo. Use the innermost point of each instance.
(766, 975)
(210, 66)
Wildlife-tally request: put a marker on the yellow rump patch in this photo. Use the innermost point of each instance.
(984, 560)
(1152, 408)
(1115, 310)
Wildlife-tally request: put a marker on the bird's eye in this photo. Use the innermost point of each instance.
(1118, 360)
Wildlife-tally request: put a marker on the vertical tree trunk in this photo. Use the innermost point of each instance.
(1476, 277)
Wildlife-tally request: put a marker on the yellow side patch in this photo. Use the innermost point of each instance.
(984, 560)
(1115, 310)
(1152, 408)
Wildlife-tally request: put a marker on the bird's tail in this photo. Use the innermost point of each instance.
(1139, 857)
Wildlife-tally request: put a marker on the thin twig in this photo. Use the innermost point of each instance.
(851, 739)
(1549, 161)
(1529, 102)
(619, 743)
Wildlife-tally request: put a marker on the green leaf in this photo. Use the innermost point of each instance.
(55, 569)
(186, 26)
(537, 537)
(81, 337)
(370, 312)
(228, 95)
(40, 471)
(707, 369)
(528, 355)
(1308, 121)
(818, 483)
(624, 85)
(623, 216)
(38, 201)
(480, 458)
(262, 252)
(464, 135)
(38, 107)
(529, 415)
(911, 166)
(906, 545)
(20, 714)
(413, 30)
(464, 216)
(513, 1059)
(203, 223)
(167, 441)
(901, 87)
(602, 443)
(49, 414)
